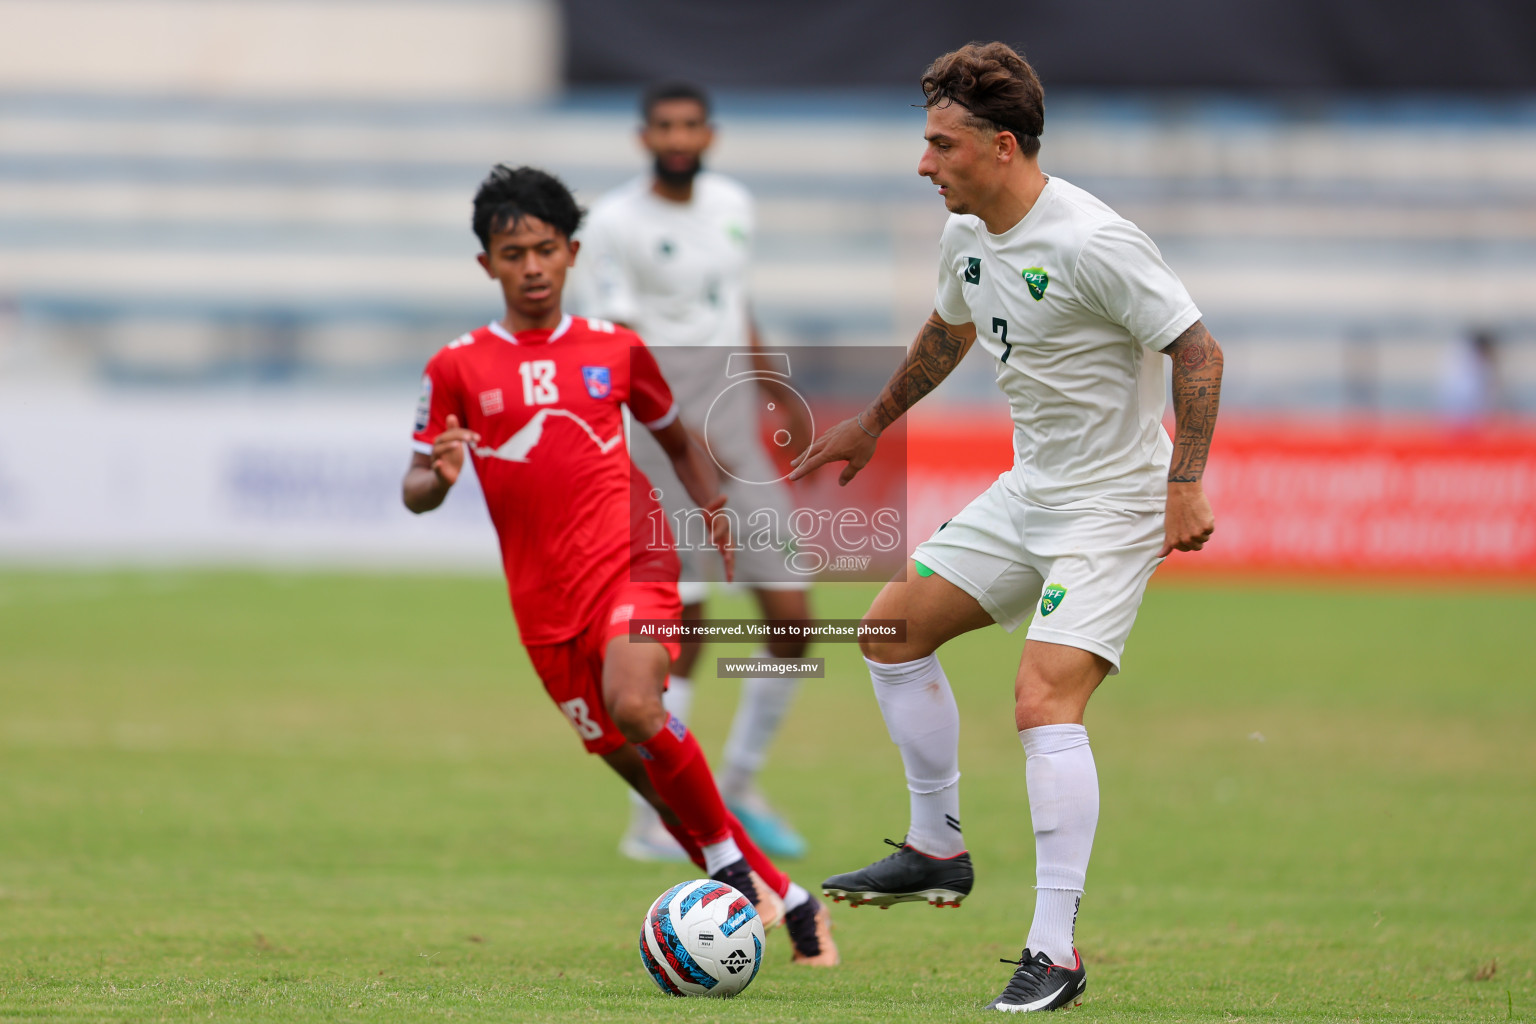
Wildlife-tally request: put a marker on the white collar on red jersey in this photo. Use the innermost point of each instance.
(506, 335)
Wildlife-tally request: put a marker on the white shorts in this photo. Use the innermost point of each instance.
(1080, 572)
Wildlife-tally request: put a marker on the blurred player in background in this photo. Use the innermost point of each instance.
(536, 398)
(668, 256)
(1471, 392)
(1074, 304)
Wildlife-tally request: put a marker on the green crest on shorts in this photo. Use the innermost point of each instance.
(1054, 594)
(1037, 279)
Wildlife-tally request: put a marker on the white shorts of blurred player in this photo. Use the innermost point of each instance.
(758, 567)
(1080, 572)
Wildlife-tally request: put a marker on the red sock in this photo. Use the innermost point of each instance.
(685, 840)
(682, 778)
(775, 879)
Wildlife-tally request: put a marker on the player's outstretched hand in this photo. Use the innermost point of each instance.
(845, 442)
(448, 450)
(720, 536)
(1189, 522)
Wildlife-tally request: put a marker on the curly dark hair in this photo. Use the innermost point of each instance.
(995, 85)
(507, 195)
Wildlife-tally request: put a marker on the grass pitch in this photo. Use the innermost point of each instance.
(301, 798)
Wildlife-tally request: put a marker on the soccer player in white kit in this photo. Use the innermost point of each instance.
(1077, 309)
(667, 255)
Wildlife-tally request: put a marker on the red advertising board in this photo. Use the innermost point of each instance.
(1349, 497)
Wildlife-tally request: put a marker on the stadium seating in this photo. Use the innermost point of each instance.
(1335, 252)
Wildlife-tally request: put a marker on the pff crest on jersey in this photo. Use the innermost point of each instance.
(1037, 280)
(598, 381)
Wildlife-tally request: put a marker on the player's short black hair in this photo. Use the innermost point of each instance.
(660, 92)
(507, 195)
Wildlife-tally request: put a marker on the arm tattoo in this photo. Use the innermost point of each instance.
(1197, 365)
(937, 351)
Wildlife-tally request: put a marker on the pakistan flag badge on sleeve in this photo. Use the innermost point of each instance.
(1051, 599)
(1037, 279)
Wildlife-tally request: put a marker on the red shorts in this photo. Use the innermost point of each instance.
(573, 671)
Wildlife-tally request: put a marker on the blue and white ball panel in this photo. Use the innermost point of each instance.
(702, 938)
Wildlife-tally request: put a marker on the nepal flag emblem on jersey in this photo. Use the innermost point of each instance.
(599, 384)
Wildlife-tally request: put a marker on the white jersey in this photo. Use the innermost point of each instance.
(1074, 304)
(675, 272)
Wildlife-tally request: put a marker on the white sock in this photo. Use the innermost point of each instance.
(1055, 924)
(795, 896)
(759, 713)
(920, 714)
(1064, 807)
(720, 855)
(679, 697)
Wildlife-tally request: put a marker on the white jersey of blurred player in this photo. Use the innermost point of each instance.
(668, 255)
(676, 274)
(676, 270)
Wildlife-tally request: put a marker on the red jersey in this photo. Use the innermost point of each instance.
(552, 460)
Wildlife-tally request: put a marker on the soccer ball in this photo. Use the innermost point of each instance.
(702, 938)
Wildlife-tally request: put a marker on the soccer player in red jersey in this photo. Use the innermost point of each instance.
(535, 400)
